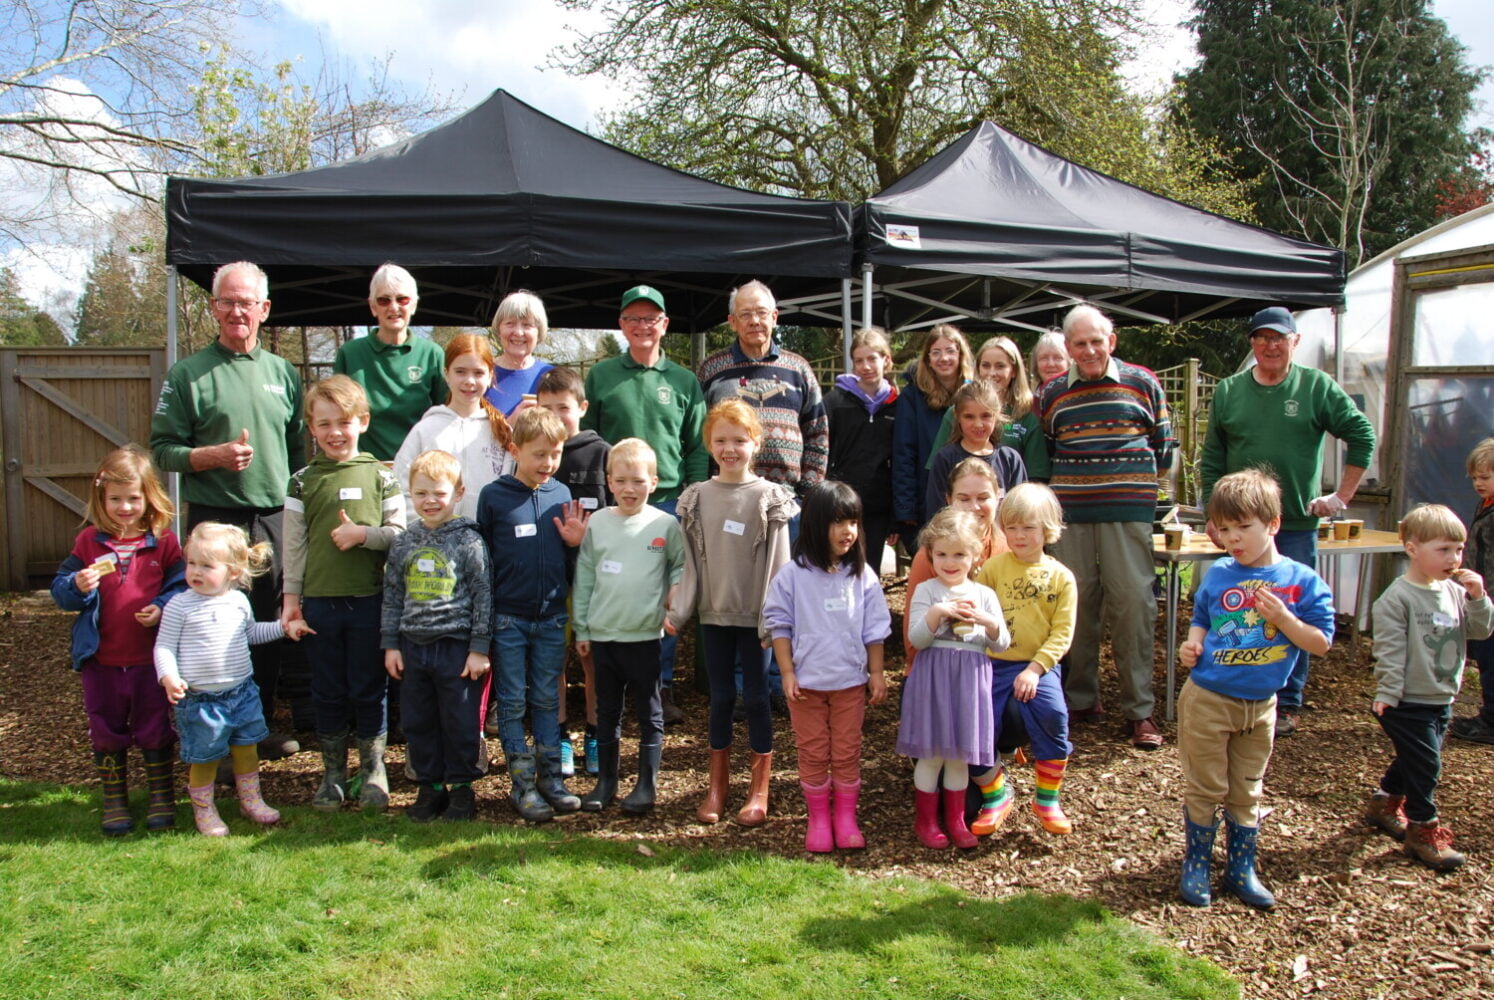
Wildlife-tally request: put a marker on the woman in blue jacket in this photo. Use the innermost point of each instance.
(944, 364)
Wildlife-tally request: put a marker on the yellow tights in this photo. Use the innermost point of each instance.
(245, 761)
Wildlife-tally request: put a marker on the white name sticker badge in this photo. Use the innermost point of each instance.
(425, 565)
(589, 503)
(836, 604)
(734, 527)
(350, 493)
(611, 566)
(525, 531)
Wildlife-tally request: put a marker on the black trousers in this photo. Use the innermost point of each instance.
(1417, 732)
(621, 667)
(443, 713)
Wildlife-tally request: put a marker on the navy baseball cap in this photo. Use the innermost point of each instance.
(1273, 318)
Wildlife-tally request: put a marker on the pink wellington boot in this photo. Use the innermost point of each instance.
(843, 817)
(954, 819)
(205, 811)
(926, 821)
(818, 840)
(251, 803)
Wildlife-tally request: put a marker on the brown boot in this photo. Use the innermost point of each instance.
(1431, 844)
(1386, 812)
(715, 800)
(755, 812)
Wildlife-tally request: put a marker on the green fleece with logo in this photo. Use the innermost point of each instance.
(315, 501)
(210, 397)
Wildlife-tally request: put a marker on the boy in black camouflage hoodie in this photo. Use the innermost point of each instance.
(437, 630)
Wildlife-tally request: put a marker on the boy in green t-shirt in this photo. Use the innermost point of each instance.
(342, 512)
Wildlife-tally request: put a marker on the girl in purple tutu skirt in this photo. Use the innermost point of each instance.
(947, 724)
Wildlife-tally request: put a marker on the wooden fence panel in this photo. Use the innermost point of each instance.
(61, 410)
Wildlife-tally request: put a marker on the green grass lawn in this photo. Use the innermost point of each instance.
(372, 907)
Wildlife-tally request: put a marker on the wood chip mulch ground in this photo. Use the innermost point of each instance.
(1355, 918)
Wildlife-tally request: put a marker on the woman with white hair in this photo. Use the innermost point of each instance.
(519, 326)
(400, 374)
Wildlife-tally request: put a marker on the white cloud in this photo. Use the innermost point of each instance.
(58, 218)
(467, 47)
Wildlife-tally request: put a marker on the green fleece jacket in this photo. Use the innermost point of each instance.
(315, 501)
(1281, 428)
(210, 397)
(401, 382)
(661, 404)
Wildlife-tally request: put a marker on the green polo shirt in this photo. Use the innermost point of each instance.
(401, 381)
(663, 405)
(210, 397)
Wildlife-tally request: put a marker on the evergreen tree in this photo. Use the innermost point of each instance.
(1346, 116)
(21, 323)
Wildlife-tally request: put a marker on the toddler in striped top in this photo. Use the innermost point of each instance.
(202, 660)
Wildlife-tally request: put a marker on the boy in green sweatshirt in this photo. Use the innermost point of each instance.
(342, 512)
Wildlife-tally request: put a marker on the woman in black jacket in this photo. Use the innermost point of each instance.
(861, 413)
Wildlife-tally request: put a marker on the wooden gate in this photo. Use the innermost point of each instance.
(62, 409)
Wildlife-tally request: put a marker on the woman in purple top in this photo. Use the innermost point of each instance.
(519, 326)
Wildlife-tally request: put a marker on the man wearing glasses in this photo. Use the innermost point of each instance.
(779, 384)
(229, 420)
(643, 394)
(1275, 415)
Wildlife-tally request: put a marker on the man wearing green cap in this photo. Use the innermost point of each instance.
(643, 394)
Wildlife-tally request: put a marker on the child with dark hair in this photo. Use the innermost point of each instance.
(828, 619)
(583, 471)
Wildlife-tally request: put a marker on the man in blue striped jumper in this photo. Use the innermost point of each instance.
(1108, 432)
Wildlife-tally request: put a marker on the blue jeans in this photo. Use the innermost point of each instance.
(1046, 716)
(1302, 547)
(1417, 732)
(527, 659)
(347, 665)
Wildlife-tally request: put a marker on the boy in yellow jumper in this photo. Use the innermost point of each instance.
(1038, 600)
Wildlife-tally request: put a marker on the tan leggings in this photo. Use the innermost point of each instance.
(1224, 744)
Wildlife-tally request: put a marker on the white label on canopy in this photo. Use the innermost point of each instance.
(905, 237)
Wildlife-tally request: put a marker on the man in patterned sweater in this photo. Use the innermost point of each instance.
(779, 384)
(1107, 428)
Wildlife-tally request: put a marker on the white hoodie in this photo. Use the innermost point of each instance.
(470, 439)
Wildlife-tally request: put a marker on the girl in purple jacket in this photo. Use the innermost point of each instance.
(828, 619)
(124, 567)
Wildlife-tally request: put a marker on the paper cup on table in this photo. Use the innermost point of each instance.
(1340, 531)
(1356, 527)
(1176, 535)
(1325, 530)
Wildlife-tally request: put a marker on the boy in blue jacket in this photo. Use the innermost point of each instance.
(532, 528)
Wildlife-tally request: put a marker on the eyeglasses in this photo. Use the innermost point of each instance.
(755, 314)
(385, 300)
(653, 320)
(230, 305)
